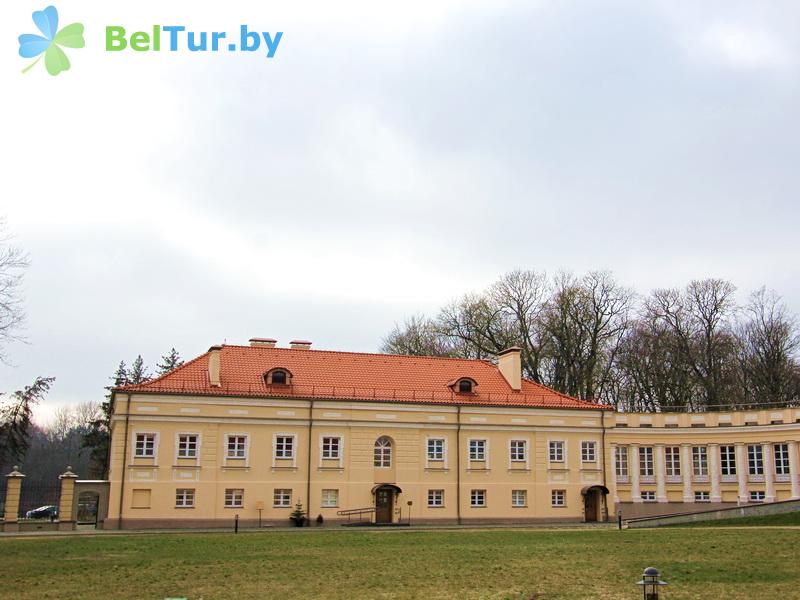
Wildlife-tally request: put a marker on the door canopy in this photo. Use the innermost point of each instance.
(391, 486)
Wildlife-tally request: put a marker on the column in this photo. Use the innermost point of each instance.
(713, 471)
(794, 476)
(13, 491)
(661, 474)
(613, 475)
(66, 501)
(634, 469)
(686, 472)
(741, 472)
(769, 472)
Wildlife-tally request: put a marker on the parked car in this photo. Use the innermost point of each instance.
(43, 512)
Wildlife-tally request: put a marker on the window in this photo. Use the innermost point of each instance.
(465, 386)
(781, 459)
(588, 451)
(621, 461)
(234, 498)
(519, 498)
(477, 498)
(330, 498)
(284, 446)
(649, 496)
(518, 450)
(145, 445)
(755, 459)
(673, 459)
(646, 461)
(331, 447)
(727, 460)
(700, 461)
(187, 446)
(556, 452)
(184, 498)
(237, 446)
(279, 378)
(281, 498)
(140, 498)
(435, 449)
(435, 498)
(757, 496)
(558, 498)
(702, 497)
(383, 452)
(477, 449)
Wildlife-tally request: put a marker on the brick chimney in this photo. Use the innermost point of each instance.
(214, 356)
(300, 345)
(262, 342)
(509, 361)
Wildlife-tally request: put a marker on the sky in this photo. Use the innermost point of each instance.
(389, 158)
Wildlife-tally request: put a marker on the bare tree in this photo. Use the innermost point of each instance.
(417, 336)
(13, 262)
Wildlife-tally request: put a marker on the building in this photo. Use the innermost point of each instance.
(254, 430)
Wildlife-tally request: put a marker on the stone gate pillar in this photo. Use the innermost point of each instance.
(67, 501)
(13, 491)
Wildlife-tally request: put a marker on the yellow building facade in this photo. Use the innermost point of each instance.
(251, 431)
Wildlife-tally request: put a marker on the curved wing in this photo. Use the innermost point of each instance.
(55, 60)
(71, 36)
(31, 45)
(47, 21)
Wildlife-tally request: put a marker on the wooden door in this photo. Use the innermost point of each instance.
(590, 506)
(384, 505)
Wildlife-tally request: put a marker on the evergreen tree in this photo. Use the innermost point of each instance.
(138, 372)
(169, 362)
(15, 418)
(98, 438)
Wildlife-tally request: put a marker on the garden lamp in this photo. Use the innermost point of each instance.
(650, 583)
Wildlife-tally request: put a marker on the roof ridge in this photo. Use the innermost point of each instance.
(387, 354)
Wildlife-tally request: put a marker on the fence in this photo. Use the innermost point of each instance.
(37, 494)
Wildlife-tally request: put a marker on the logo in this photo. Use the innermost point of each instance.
(50, 42)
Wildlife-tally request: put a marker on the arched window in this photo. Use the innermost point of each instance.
(383, 452)
(278, 376)
(465, 386)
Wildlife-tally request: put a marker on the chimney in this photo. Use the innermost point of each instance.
(300, 345)
(509, 361)
(262, 342)
(214, 365)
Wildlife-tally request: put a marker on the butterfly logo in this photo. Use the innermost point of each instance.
(50, 42)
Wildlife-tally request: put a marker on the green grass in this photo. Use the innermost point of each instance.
(790, 518)
(516, 564)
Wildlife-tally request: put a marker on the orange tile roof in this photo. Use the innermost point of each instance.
(354, 376)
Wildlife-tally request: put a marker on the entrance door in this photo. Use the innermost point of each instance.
(384, 505)
(590, 505)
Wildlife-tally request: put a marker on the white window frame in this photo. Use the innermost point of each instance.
(513, 463)
(330, 453)
(558, 498)
(436, 498)
(647, 461)
(285, 455)
(178, 437)
(485, 458)
(781, 459)
(186, 499)
(702, 496)
(557, 451)
(755, 460)
(282, 497)
(442, 454)
(384, 463)
(648, 496)
(477, 498)
(622, 463)
(234, 499)
(727, 460)
(330, 498)
(588, 451)
(155, 435)
(699, 461)
(672, 461)
(519, 498)
(758, 496)
(237, 459)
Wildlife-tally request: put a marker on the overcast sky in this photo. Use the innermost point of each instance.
(390, 157)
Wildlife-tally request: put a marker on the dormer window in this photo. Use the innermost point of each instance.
(278, 377)
(463, 385)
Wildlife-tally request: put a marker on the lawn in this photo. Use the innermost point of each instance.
(789, 518)
(518, 564)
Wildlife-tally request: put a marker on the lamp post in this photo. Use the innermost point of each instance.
(650, 583)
